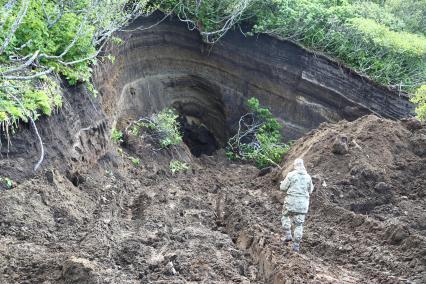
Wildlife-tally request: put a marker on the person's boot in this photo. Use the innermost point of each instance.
(287, 236)
(296, 247)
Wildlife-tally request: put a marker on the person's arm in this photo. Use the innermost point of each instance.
(285, 184)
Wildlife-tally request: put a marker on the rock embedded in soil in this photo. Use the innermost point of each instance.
(340, 144)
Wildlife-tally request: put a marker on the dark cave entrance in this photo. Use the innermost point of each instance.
(199, 139)
(203, 113)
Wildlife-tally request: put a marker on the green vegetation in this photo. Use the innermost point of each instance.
(258, 137)
(135, 161)
(177, 166)
(117, 136)
(40, 39)
(420, 99)
(162, 126)
(166, 127)
(7, 182)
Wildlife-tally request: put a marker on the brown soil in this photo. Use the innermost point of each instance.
(115, 222)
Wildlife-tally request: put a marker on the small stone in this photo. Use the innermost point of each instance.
(264, 171)
(78, 270)
(382, 187)
(397, 233)
(49, 176)
(418, 144)
(170, 268)
(411, 123)
(316, 178)
(340, 145)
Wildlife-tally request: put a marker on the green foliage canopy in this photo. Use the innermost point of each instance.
(40, 39)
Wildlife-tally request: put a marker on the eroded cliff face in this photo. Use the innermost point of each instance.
(168, 65)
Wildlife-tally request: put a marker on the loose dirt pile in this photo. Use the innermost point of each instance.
(220, 222)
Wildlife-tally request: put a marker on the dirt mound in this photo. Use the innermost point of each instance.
(369, 210)
(219, 222)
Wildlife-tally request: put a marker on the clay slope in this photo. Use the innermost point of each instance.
(220, 222)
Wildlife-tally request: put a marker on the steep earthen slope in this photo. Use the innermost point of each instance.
(220, 222)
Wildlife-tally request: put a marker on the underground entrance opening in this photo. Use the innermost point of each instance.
(204, 116)
(199, 139)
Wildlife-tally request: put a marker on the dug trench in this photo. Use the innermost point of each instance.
(90, 215)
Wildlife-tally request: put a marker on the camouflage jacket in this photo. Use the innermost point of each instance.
(298, 186)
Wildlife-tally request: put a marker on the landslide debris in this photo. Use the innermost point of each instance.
(220, 221)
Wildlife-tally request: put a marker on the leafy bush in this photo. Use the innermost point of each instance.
(177, 166)
(117, 136)
(411, 12)
(212, 18)
(163, 127)
(39, 38)
(7, 182)
(420, 99)
(258, 137)
(135, 161)
(21, 100)
(167, 127)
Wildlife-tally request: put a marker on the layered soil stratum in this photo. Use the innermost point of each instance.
(90, 215)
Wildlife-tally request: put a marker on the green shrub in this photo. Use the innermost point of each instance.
(167, 127)
(177, 166)
(7, 182)
(21, 100)
(117, 136)
(362, 35)
(258, 137)
(135, 161)
(411, 12)
(65, 37)
(420, 99)
(163, 127)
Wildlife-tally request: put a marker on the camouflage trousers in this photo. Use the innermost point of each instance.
(297, 219)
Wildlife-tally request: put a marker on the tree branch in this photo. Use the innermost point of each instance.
(30, 77)
(16, 24)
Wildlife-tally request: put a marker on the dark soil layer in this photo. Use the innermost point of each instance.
(168, 66)
(115, 222)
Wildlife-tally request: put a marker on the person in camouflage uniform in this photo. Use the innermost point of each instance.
(298, 187)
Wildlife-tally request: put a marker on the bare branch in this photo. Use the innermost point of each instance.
(84, 59)
(30, 77)
(26, 64)
(9, 8)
